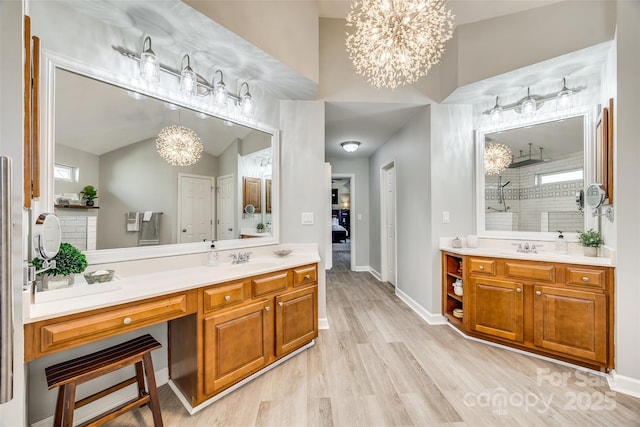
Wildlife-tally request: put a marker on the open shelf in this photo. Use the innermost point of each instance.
(76, 207)
(452, 271)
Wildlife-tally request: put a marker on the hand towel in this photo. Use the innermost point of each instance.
(133, 221)
(147, 216)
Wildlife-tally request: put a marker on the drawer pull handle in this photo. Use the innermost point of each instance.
(280, 303)
(227, 297)
(267, 308)
(481, 267)
(127, 320)
(585, 279)
(518, 289)
(538, 293)
(307, 276)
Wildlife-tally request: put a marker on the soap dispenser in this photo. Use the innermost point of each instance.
(212, 255)
(562, 247)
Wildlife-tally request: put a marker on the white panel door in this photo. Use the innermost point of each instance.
(195, 211)
(390, 202)
(225, 199)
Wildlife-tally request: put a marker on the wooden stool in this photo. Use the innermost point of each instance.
(69, 374)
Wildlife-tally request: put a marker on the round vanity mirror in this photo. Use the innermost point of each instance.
(595, 195)
(250, 209)
(47, 235)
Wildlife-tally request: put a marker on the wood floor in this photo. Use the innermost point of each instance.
(381, 365)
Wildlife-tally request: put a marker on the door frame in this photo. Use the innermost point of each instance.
(384, 261)
(213, 202)
(235, 203)
(352, 205)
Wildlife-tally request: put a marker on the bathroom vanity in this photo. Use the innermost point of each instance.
(559, 307)
(225, 323)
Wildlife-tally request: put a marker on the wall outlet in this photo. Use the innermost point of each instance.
(307, 218)
(446, 218)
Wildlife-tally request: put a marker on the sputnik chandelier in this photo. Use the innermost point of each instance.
(497, 157)
(396, 42)
(179, 146)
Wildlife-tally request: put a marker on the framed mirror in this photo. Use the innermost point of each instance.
(528, 177)
(104, 135)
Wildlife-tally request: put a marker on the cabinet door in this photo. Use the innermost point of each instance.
(252, 194)
(296, 319)
(571, 321)
(235, 344)
(496, 308)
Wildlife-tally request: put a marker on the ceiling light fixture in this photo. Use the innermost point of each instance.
(395, 42)
(497, 157)
(530, 104)
(350, 146)
(149, 65)
(179, 146)
(188, 78)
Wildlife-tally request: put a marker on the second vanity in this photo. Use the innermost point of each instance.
(225, 323)
(557, 306)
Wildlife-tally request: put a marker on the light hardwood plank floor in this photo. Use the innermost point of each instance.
(381, 365)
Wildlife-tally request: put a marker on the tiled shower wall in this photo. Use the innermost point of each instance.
(80, 231)
(547, 207)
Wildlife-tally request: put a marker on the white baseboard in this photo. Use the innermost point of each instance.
(361, 268)
(374, 273)
(622, 384)
(110, 401)
(323, 323)
(431, 319)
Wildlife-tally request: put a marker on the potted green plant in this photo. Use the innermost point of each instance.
(260, 228)
(591, 240)
(89, 193)
(69, 261)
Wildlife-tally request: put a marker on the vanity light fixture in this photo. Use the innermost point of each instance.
(565, 96)
(246, 100)
(179, 145)
(188, 78)
(220, 94)
(497, 157)
(350, 146)
(496, 112)
(149, 64)
(135, 95)
(529, 105)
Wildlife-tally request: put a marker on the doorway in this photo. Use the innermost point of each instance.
(195, 208)
(343, 236)
(388, 223)
(225, 213)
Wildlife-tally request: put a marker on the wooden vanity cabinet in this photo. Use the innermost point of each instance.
(563, 311)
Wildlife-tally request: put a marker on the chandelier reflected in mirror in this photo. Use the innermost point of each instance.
(395, 42)
(179, 146)
(497, 157)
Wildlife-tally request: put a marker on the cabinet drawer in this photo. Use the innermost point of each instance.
(267, 284)
(482, 266)
(585, 277)
(222, 296)
(541, 273)
(82, 329)
(305, 275)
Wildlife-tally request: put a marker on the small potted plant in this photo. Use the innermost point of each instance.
(591, 240)
(89, 193)
(69, 261)
(260, 228)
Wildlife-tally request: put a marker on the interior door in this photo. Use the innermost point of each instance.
(195, 208)
(225, 229)
(390, 202)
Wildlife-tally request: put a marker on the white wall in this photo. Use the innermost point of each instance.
(13, 413)
(87, 163)
(359, 204)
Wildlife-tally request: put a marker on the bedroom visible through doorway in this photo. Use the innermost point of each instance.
(341, 224)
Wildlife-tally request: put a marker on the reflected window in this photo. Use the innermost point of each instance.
(561, 176)
(65, 173)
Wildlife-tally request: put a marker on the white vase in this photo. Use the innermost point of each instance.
(590, 251)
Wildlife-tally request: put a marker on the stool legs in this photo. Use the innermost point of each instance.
(154, 402)
(65, 406)
(140, 379)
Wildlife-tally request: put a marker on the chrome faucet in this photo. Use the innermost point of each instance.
(527, 249)
(240, 257)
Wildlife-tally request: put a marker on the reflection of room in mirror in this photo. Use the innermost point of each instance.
(255, 168)
(532, 194)
(112, 145)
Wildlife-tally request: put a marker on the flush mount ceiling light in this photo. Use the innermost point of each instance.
(395, 42)
(179, 146)
(350, 146)
(530, 104)
(149, 65)
(497, 157)
(188, 78)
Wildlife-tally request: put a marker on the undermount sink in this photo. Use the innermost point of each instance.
(258, 265)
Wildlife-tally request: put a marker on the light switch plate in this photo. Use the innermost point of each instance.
(307, 218)
(446, 218)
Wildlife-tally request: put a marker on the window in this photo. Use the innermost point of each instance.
(561, 176)
(65, 173)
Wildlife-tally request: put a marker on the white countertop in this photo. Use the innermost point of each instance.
(152, 284)
(504, 249)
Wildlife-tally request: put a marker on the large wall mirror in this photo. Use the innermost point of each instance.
(536, 194)
(104, 135)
